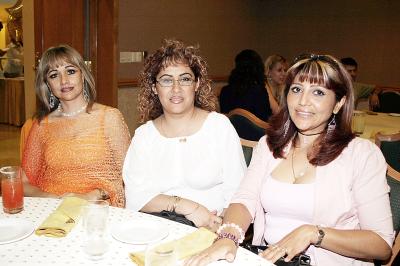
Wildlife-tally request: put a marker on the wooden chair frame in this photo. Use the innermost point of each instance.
(253, 118)
(379, 137)
(248, 143)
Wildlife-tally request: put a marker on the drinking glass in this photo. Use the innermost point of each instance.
(12, 189)
(358, 122)
(95, 217)
(161, 254)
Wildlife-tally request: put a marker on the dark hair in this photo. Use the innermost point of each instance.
(55, 56)
(328, 72)
(349, 61)
(248, 72)
(173, 52)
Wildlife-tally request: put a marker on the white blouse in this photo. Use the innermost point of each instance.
(206, 168)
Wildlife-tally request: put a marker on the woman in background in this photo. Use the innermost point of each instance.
(275, 70)
(186, 158)
(311, 186)
(75, 147)
(245, 87)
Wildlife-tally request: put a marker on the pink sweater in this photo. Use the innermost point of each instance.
(351, 192)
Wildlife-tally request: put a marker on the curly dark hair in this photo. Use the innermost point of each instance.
(330, 73)
(248, 72)
(173, 52)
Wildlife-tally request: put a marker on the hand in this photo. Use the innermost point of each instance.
(292, 244)
(222, 249)
(202, 217)
(374, 101)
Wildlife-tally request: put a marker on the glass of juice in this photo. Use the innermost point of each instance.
(12, 189)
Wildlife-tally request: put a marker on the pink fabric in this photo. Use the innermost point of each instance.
(351, 192)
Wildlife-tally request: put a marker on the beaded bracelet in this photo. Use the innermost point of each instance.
(235, 226)
(228, 236)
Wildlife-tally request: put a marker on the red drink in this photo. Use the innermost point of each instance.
(12, 193)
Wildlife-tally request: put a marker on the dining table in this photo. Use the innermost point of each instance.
(387, 123)
(42, 250)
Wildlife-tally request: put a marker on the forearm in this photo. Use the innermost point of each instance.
(33, 191)
(362, 244)
(238, 214)
(170, 203)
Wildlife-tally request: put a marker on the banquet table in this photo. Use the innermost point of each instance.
(380, 122)
(42, 250)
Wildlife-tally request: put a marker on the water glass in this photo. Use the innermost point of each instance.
(358, 122)
(163, 254)
(12, 189)
(95, 219)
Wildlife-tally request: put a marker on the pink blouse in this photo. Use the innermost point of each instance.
(351, 192)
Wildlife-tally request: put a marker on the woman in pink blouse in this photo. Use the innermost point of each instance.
(312, 186)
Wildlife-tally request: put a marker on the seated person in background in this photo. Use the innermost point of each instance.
(15, 59)
(245, 87)
(75, 147)
(361, 90)
(186, 158)
(312, 186)
(275, 70)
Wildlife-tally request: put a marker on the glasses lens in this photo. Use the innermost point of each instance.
(166, 82)
(185, 81)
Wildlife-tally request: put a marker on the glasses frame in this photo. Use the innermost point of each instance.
(180, 80)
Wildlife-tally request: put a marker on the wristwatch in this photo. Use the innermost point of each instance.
(320, 234)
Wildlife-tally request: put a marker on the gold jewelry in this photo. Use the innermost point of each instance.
(176, 200)
(302, 173)
(69, 114)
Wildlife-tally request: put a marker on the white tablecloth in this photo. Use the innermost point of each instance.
(387, 123)
(41, 250)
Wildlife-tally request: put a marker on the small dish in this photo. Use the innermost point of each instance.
(139, 232)
(393, 114)
(14, 229)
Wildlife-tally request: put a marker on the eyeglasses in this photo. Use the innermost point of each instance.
(169, 82)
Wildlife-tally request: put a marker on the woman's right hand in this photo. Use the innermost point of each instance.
(202, 217)
(222, 249)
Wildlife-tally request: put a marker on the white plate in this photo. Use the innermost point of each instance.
(139, 232)
(394, 114)
(14, 229)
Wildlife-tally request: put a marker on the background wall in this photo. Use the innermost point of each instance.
(368, 30)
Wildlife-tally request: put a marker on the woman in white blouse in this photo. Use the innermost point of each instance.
(186, 158)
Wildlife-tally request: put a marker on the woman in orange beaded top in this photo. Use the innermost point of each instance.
(76, 147)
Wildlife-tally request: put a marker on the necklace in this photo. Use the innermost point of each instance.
(302, 173)
(312, 134)
(181, 132)
(73, 113)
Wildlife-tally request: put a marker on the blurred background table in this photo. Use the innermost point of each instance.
(41, 250)
(380, 122)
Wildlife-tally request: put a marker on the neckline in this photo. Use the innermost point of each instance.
(180, 139)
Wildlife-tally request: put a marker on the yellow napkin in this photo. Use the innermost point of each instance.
(185, 247)
(63, 219)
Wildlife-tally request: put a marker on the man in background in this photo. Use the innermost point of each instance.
(361, 90)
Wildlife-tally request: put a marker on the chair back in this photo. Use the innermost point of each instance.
(247, 125)
(389, 102)
(390, 147)
(24, 136)
(247, 147)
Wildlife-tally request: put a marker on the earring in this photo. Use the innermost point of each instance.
(52, 100)
(331, 125)
(286, 127)
(85, 94)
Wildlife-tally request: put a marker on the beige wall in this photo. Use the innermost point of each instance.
(368, 30)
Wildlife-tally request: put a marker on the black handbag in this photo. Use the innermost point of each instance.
(299, 260)
(173, 216)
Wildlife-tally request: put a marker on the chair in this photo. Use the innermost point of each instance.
(24, 136)
(247, 125)
(390, 147)
(389, 101)
(247, 147)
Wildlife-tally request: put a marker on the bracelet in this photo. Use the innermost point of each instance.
(176, 200)
(228, 236)
(195, 209)
(235, 226)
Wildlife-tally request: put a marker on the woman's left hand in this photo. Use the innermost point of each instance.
(292, 244)
(92, 195)
(202, 217)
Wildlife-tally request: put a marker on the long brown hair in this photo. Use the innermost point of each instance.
(329, 73)
(172, 52)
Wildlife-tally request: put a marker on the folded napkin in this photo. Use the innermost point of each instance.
(63, 219)
(185, 247)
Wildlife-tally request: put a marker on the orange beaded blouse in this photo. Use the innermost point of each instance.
(78, 154)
